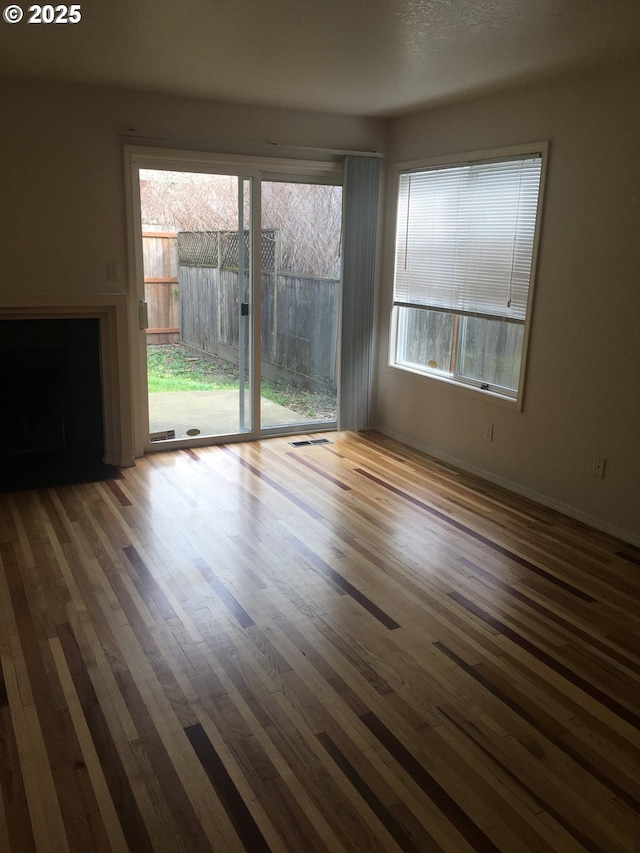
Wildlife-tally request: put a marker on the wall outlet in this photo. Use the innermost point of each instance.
(488, 432)
(597, 468)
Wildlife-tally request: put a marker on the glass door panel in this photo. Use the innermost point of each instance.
(196, 240)
(300, 288)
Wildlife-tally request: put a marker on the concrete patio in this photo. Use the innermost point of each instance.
(211, 412)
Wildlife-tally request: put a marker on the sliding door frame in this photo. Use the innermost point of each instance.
(255, 169)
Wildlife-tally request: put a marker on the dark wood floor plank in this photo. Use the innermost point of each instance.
(116, 777)
(460, 821)
(574, 829)
(277, 487)
(573, 630)
(223, 593)
(483, 539)
(346, 646)
(229, 795)
(575, 678)
(16, 809)
(320, 786)
(118, 492)
(326, 570)
(396, 830)
(542, 722)
(76, 798)
(182, 809)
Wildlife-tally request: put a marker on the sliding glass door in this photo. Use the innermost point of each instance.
(197, 264)
(239, 294)
(300, 290)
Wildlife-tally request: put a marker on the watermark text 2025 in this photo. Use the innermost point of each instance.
(44, 14)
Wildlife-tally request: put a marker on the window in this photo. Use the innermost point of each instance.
(465, 255)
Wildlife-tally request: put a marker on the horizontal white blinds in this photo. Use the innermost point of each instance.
(465, 235)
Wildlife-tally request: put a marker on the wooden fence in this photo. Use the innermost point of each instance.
(198, 306)
(300, 326)
(161, 288)
(299, 322)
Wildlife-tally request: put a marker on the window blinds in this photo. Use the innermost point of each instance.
(465, 235)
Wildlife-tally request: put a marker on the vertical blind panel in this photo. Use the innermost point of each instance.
(465, 236)
(360, 213)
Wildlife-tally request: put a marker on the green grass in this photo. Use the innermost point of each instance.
(158, 384)
(171, 368)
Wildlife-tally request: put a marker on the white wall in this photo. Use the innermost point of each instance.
(62, 173)
(62, 183)
(63, 218)
(583, 374)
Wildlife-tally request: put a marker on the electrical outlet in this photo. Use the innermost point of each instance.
(597, 469)
(488, 432)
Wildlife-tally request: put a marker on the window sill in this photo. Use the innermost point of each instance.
(494, 397)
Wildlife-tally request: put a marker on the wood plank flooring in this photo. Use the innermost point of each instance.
(335, 647)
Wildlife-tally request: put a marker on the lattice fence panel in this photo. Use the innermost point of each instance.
(198, 248)
(220, 249)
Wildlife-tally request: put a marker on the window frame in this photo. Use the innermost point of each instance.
(453, 378)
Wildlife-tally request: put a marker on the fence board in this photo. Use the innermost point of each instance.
(160, 256)
(298, 324)
(161, 288)
(199, 290)
(228, 330)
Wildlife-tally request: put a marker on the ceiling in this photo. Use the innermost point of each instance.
(362, 57)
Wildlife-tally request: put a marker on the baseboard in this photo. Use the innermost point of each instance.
(510, 485)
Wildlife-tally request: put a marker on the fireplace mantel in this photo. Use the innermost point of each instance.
(111, 310)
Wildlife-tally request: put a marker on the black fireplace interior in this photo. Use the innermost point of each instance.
(51, 426)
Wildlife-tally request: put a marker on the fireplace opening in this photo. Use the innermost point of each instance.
(52, 425)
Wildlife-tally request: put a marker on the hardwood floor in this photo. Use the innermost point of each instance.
(334, 647)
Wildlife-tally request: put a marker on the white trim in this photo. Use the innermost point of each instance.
(541, 148)
(542, 499)
(466, 387)
(111, 310)
(137, 336)
(246, 166)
